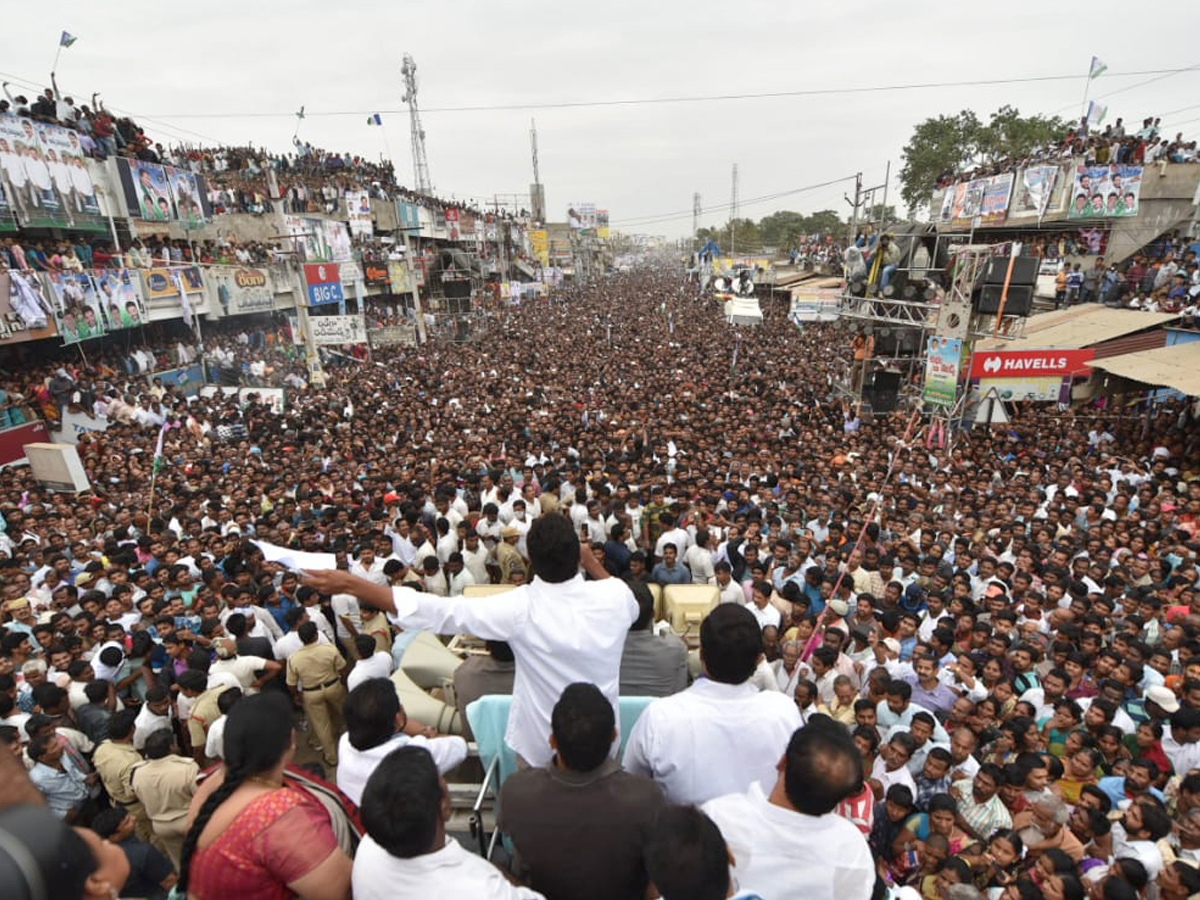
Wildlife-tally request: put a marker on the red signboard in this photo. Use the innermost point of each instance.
(1030, 363)
(13, 440)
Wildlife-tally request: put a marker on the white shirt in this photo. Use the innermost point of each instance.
(214, 743)
(560, 634)
(290, 642)
(345, 605)
(768, 615)
(377, 665)
(1184, 757)
(901, 775)
(146, 723)
(243, 668)
(700, 561)
(786, 855)
(449, 872)
(711, 739)
(355, 766)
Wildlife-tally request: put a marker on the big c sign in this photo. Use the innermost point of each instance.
(324, 283)
(1030, 363)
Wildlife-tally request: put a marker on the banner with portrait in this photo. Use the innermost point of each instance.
(993, 208)
(942, 357)
(358, 210)
(1037, 192)
(165, 283)
(189, 194)
(26, 312)
(147, 190)
(968, 201)
(120, 298)
(44, 177)
(1111, 191)
(319, 240)
(77, 309)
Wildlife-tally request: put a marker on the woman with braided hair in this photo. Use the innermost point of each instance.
(252, 835)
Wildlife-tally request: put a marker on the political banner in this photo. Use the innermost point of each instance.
(324, 282)
(46, 183)
(1037, 190)
(602, 230)
(1110, 191)
(120, 300)
(165, 283)
(25, 312)
(941, 370)
(244, 290)
(147, 190)
(337, 330)
(358, 210)
(77, 306)
(319, 240)
(993, 208)
(942, 205)
(968, 201)
(376, 273)
(190, 197)
(581, 216)
(76, 424)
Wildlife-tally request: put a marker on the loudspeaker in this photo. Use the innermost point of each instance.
(457, 287)
(1025, 270)
(458, 306)
(884, 391)
(1018, 303)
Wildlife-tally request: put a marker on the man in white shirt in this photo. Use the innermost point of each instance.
(790, 842)
(408, 854)
(368, 566)
(154, 715)
(290, 642)
(377, 725)
(371, 663)
(699, 559)
(720, 735)
(561, 628)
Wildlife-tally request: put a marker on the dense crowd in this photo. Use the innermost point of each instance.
(1163, 277)
(958, 671)
(1114, 144)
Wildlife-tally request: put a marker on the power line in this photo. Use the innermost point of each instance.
(706, 98)
(765, 198)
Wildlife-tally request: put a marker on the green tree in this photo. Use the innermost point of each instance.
(1009, 135)
(945, 143)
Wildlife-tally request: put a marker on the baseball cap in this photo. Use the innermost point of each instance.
(1163, 697)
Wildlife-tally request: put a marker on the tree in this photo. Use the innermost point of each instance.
(785, 228)
(946, 143)
(1009, 135)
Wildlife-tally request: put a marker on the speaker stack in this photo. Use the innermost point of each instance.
(986, 297)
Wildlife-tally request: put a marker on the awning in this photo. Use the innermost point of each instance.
(1175, 367)
(1080, 326)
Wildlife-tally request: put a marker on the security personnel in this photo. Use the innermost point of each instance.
(314, 672)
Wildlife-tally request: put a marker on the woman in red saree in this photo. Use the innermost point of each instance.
(252, 835)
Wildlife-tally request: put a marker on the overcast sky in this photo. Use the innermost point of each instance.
(190, 71)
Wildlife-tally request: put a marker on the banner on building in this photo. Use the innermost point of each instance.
(539, 246)
(941, 370)
(244, 290)
(1105, 191)
(26, 312)
(1030, 389)
(1031, 363)
(1037, 191)
(602, 230)
(165, 283)
(581, 215)
(318, 240)
(147, 190)
(189, 193)
(376, 273)
(968, 202)
(993, 207)
(400, 275)
(409, 217)
(77, 309)
(324, 282)
(337, 330)
(393, 335)
(46, 182)
(358, 210)
(120, 300)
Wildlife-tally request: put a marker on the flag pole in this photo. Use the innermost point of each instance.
(57, 54)
(1087, 85)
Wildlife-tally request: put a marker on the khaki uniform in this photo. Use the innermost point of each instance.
(165, 787)
(315, 669)
(114, 761)
(509, 560)
(204, 712)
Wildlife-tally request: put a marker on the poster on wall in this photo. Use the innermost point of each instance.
(358, 209)
(968, 200)
(1110, 191)
(993, 208)
(77, 308)
(26, 313)
(166, 283)
(119, 297)
(1035, 191)
(147, 190)
(44, 177)
(246, 290)
(189, 197)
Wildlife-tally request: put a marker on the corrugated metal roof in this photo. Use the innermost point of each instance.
(1087, 325)
(1175, 367)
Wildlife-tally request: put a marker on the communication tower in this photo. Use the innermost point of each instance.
(423, 185)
